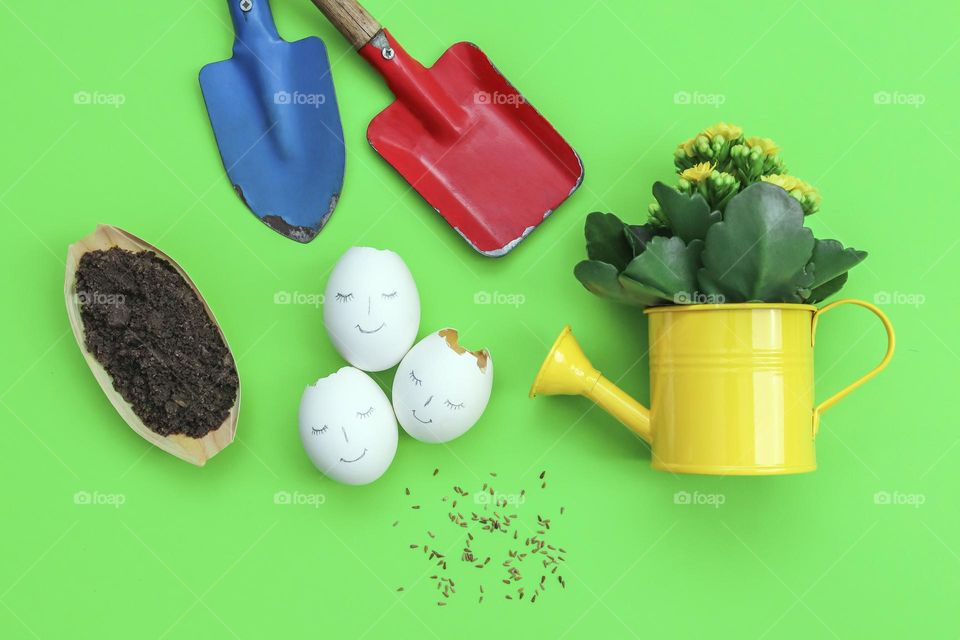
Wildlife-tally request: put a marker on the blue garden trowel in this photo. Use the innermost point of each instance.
(274, 113)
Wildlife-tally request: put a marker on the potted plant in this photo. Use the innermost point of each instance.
(728, 274)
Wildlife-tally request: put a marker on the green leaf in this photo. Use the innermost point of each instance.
(830, 260)
(607, 241)
(827, 289)
(710, 287)
(668, 266)
(642, 295)
(760, 250)
(638, 235)
(689, 216)
(602, 279)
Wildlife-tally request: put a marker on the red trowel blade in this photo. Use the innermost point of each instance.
(470, 144)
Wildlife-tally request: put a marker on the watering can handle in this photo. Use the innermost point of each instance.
(351, 20)
(891, 343)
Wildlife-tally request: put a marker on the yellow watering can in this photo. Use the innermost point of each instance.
(731, 386)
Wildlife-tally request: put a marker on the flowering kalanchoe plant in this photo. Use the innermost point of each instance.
(719, 162)
(731, 231)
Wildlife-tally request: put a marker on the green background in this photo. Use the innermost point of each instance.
(209, 553)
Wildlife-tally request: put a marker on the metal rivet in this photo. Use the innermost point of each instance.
(388, 53)
(246, 5)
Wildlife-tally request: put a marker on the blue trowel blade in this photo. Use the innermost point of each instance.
(274, 114)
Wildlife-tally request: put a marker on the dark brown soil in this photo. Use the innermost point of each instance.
(150, 331)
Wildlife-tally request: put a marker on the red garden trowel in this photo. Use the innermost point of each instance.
(463, 136)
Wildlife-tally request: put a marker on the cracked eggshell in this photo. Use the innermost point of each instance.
(347, 427)
(371, 308)
(441, 389)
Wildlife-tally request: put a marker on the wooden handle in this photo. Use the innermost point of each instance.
(350, 19)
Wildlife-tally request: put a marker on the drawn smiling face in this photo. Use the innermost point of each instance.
(441, 389)
(371, 308)
(347, 427)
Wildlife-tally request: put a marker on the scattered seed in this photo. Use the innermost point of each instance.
(492, 518)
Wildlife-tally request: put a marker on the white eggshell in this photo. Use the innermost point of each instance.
(371, 308)
(347, 427)
(441, 389)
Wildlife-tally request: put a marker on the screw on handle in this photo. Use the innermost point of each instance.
(351, 20)
(252, 20)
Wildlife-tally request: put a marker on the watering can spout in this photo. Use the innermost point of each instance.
(567, 371)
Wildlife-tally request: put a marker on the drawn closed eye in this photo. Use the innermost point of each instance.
(417, 381)
(317, 432)
(344, 297)
(456, 406)
(389, 296)
(365, 414)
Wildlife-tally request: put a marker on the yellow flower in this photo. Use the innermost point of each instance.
(728, 131)
(687, 147)
(698, 172)
(791, 184)
(768, 146)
